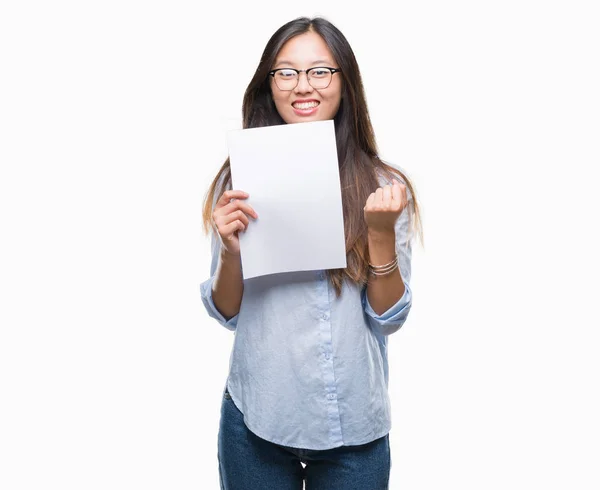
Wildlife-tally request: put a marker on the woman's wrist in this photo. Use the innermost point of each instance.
(382, 247)
(229, 257)
(382, 236)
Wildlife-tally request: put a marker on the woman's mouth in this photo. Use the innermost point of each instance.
(305, 108)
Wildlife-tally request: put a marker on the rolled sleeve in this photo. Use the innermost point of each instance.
(206, 289)
(391, 320)
(211, 309)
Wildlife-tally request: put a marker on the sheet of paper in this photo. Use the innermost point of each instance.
(291, 173)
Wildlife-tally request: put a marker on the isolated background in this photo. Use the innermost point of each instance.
(113, 119)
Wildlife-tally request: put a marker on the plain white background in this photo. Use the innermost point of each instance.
(113, 119)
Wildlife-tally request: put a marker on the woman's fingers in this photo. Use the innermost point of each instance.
(229, 195)
(228, 218)
(387, 197)
(228, 231)
(234, 205)
(378, 197)
(399, 194)
(231, 214)
(396, 192)
(226, 205)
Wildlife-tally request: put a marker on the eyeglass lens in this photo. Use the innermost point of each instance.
(317, 77)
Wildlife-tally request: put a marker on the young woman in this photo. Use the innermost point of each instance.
(306, 396)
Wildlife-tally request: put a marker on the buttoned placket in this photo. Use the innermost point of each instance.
(327, 364)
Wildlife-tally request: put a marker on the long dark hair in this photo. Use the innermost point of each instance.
(359, 164)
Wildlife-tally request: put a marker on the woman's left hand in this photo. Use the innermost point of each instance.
(384, 206)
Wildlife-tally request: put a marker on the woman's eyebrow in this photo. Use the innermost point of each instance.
(316, 62)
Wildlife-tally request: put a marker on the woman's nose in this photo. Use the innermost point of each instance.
(303, 85)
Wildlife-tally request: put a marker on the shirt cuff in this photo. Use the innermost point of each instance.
(396, 314)
(211, 309)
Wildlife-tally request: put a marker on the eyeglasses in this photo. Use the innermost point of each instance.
(318, 77)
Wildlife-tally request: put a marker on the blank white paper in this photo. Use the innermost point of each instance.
(291, 173)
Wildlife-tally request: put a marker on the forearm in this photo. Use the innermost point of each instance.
(228, 285)
(383, 291)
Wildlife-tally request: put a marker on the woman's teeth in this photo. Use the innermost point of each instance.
(305, 105)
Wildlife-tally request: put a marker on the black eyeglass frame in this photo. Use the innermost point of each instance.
(332, 70)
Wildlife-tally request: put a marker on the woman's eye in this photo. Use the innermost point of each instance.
(287, 73)
(319, 73)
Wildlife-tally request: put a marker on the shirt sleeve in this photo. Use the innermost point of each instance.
(206, 288)
(391, 320)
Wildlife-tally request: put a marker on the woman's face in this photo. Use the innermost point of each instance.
(305, 103)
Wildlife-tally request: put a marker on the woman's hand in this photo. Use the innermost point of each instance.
(231, 216)
(384, 206)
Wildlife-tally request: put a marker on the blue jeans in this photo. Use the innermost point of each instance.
(248, 462)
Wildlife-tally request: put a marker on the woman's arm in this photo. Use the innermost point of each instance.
(228, 285)
(222, 293)
(387, 217)
(383, 291)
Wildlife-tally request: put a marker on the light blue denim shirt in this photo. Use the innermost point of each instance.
(307, 369)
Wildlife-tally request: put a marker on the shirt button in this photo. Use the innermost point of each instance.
(324, 316)
(327, 356)
(331, 396)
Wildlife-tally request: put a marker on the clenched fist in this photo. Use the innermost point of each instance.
(384, 206)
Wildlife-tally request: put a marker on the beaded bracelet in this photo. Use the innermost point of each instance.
(384, 270)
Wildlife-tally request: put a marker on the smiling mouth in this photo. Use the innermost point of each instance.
(303, 106)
